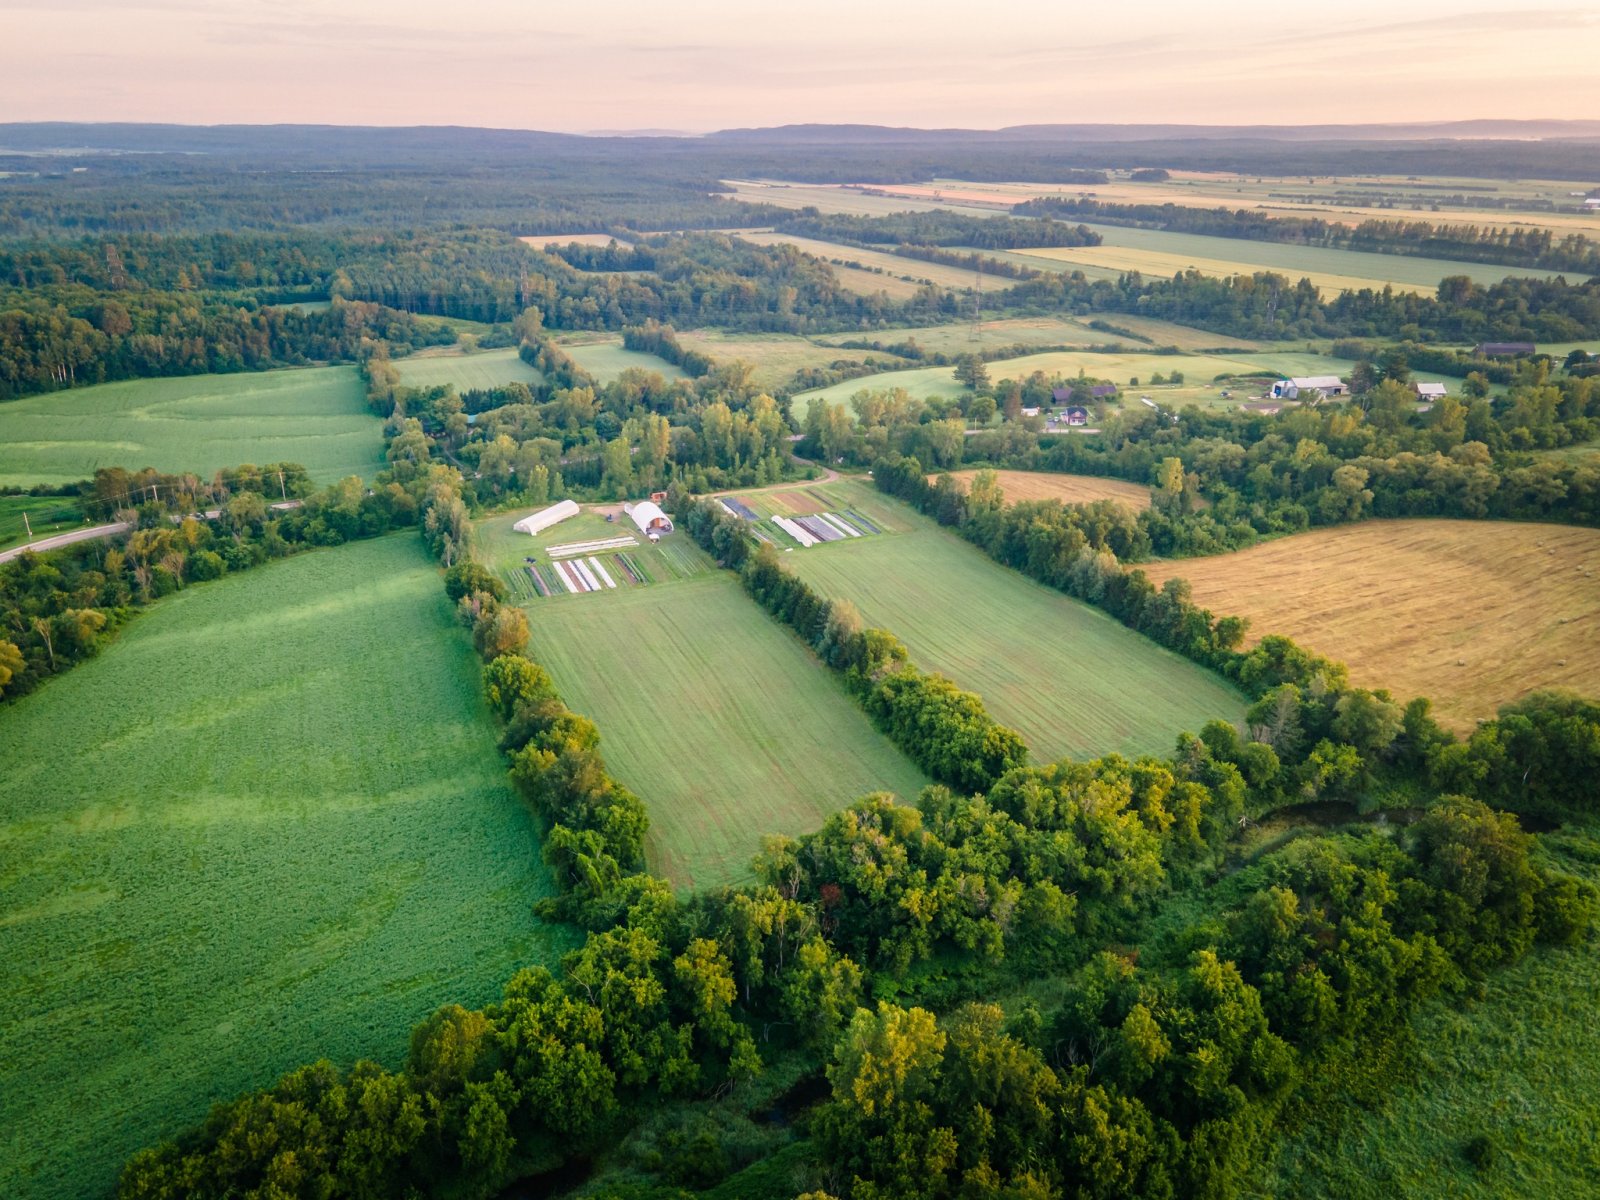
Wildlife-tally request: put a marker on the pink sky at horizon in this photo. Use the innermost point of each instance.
(710, 64)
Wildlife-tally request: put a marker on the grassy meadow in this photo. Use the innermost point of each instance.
(1071, 680)
(315, 416)
(1472, 614)
(890, 264)
(482, 369)
(606, 358)
(774, 357)
(268, 824)
(1121, 368)
(726, 726)
(46, 515)
(1518, 1063)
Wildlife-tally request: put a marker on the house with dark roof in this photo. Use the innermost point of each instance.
(1076, 414)
(1502, 349)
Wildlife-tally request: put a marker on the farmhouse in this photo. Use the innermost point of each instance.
(537, 523)
(1430, 391)
(1077, 415)
(647, 515)
(1322, 385)
(1502, 349)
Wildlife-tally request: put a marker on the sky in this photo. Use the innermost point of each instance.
(698, 65)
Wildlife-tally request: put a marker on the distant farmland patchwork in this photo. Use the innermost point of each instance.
(1472, 614)
(267, 824)
(1069, 678)
(315, 416)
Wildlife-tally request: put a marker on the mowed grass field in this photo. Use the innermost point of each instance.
(606, 358)
(1071, 680)
(483, 369)
(1472, 614)
(1519, 1064)
(726, 726)
(891, 264)
(269, 823)
(1069, 489)
(315, 416)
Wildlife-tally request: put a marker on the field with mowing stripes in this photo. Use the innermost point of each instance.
(722, 721)
(1471, 614)
(1069, 678)
(304, 846)
(315, 416)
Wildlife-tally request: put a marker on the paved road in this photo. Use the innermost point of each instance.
(59, 540)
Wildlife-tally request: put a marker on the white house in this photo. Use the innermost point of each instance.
(1325, 385)
(647, 515)
(537, 523)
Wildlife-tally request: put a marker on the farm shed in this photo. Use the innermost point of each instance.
(537, 523)
(1431, 391)
(647, 515)
(1327, 385)
(1502, 349)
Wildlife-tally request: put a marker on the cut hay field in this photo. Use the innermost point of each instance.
(1070, 679)
(269, 823)
(1069, 489)
(1519, 1064)
(1472, 614)
(721, 720)
(483, 369)
(957, 337)
(545, 240)
(315, 416)
(606, 358)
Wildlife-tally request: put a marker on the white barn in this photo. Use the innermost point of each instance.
(647, 515)
(1431, 391)
(537, 523)
(1327, 385)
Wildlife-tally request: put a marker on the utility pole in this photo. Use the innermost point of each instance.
(281, 489)
(27, 527)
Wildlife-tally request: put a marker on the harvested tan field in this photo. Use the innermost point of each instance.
(1069, 489)
(543, 240)
(1472, 614)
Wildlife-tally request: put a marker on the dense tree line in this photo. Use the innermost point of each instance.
(1511, 246)
(662, 341)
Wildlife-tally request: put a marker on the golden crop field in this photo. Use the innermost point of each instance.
(1472, 614)
(1069, 489)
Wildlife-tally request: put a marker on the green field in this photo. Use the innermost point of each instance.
(606, 359)
(720, 719)
(482, 370)
(726, 726)
(1198, 371)
(1067, 677)
(315, 416)
(1520, 1064)
(268, 824)
(46, 515)
(774, 357)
